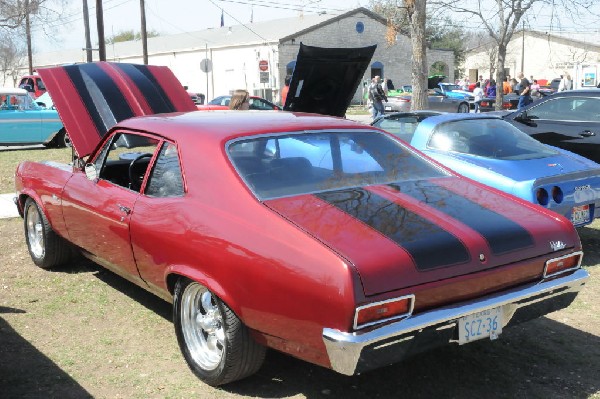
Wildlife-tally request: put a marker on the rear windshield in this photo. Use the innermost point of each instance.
(313, 162)
(489, 138)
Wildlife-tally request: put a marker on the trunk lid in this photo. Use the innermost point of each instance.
(404, 234)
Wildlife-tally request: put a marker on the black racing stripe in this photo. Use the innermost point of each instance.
(75, 75)
(502, 234)
(429, 245)
(151, 89)
(104, 88)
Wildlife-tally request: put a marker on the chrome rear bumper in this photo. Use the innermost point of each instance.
(351, 353)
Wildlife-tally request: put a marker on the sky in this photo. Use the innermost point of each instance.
(178, 16)
(173, 16)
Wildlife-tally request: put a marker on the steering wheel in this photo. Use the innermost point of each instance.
(135, 181)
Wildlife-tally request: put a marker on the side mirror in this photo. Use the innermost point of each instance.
(90, 171)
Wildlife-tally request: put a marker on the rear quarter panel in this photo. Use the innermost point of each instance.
(44, 183)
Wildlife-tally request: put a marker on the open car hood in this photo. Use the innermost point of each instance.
(325, 79)
(92, 98)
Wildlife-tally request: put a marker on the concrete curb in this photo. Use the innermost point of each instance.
(8, 209)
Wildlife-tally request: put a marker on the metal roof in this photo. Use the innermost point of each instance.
(266, 32)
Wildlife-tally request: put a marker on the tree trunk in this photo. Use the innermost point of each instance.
(500, 76)
(417, 12)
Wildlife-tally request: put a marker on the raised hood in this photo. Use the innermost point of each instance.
(405, 234)
(325, 79)
(92, 98)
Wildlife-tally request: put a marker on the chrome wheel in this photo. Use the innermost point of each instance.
(35, 232)
(202, 326)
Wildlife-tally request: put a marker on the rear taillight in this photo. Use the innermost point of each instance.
(506, 105)
(563, 264)
(383, 311)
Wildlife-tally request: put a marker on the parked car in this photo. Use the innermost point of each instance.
(454, 91)
(23, 122)
(492, 151)
(197, 98)
(436, 101)
(254, 227)
(222, 102)
(568, 119)
(33, 84)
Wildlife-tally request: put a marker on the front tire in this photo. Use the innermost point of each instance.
(215, 343)
(46, 248)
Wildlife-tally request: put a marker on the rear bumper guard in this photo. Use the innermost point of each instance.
(355, 352)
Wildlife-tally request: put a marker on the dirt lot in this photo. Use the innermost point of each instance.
(84, 332)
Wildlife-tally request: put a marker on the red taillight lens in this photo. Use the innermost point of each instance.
(563, 264)
(383, 311)
(485, 104)
(506, 105)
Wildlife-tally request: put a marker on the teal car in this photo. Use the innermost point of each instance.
(23, 121)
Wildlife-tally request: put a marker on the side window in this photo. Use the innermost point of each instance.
(125, 160)
(165, 179)
(40, 84)
(572, 108)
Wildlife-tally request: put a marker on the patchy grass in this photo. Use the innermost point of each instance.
(82, 331)
(9, 159)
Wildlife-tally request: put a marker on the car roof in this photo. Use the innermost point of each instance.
(11, 90)
(225, 125)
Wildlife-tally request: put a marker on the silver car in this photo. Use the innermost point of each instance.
(437, 102)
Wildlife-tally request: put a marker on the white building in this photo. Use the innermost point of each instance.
(259, 56)
(537, 54)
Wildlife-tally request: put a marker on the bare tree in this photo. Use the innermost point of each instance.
(501, 18)
(409, 17)
(12, 57)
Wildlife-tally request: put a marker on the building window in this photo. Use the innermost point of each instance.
(360, 27)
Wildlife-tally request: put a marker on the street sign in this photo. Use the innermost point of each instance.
(264, 77)
(205, 65)
(263, 65)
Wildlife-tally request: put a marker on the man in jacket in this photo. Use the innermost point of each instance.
(377, 96)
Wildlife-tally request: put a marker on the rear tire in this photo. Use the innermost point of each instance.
(47, 249)
(463, 108)
(215, 343)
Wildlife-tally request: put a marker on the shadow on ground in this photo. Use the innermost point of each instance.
(25, 372)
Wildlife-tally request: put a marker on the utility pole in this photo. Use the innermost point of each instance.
(100, 24)
(86, 23)
(523, 51)
(28, 35)
(144, 33)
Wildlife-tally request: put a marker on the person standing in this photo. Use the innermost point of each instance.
(565, 83)
(490, 90)
(240, 100)
(377, 96)
(285, 90)
(524, 91)
(506, 89)
(477, 96)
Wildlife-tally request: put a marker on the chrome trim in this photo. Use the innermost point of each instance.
(411, 307)
(580, 253)
(344, 349)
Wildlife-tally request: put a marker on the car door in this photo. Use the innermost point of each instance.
(571, 122)
(18, 123)
(97, 212)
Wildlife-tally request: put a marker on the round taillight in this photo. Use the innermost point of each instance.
(557, 194)
(542, 196)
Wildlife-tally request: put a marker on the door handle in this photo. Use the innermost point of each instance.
(124, 209)
(587, 133)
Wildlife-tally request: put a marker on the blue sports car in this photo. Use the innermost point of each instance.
(489, 150)
(22, 121)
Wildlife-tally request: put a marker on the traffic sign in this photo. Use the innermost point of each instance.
(263, 65)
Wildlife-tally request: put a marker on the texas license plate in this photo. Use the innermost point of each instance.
(484, 324)
(580, 214)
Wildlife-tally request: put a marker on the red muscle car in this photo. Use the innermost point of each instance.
(323, 238)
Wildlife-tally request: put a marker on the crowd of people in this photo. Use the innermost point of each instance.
(525, 88)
